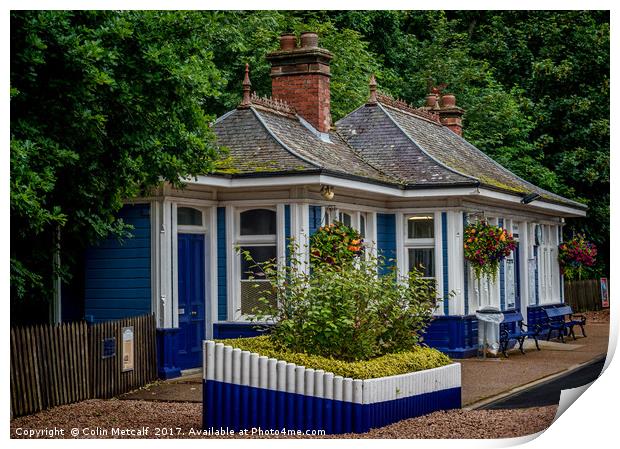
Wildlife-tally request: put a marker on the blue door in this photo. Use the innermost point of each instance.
(191, 281)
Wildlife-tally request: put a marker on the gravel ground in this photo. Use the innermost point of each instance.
(598, 316)
(100, 417)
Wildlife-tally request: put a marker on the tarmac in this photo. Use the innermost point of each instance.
(483, 380)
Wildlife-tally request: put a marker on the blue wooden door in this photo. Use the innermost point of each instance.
(191, 281)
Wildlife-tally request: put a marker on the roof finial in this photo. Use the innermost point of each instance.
(246, 87)
(373, 90)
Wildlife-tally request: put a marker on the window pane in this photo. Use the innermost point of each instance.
(258, 222)
(344, 218)
(259, 254)
(423, 258)
(251, 292)
(363, 225)
(421, 227)
(188, 216)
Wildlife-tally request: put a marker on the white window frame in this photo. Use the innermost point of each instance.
(548, 266)
(248, 240)
(421, 243)
(509, 225)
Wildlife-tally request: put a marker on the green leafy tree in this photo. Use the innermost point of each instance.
(104, 106)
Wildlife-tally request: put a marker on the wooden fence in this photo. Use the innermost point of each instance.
(583, 295)
(59, 364)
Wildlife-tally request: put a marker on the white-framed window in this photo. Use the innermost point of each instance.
(189, 217)
(511, 268)
(256, 234)
(345, 218)
(420, 243)
(548, 264)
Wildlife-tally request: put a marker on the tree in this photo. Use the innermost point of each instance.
(104, 106)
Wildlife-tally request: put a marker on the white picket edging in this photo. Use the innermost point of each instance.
(231, 365)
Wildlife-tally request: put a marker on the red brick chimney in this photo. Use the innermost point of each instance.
(300, 76)
(450, 114)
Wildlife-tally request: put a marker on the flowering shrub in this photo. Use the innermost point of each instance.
(335, 244)
(576, 254)
(345, 311)
(486, 246)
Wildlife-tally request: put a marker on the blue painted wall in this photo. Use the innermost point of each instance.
(315, 219)
(386, 239)
(118, 273)
(454, 335)
(222, 281)
(238, 330)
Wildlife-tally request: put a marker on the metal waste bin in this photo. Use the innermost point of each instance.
(489, 319)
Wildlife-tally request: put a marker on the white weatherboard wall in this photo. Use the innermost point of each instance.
(315, 397)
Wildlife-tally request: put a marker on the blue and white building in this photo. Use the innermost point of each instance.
(403, 176)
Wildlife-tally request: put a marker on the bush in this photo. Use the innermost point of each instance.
(418, 359)
(345, 311)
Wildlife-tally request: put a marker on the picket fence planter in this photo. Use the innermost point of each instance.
(242, 390)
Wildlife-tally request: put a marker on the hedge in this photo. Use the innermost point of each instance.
(419, 359)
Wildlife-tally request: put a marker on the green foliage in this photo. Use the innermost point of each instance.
(335, 244)
(104, 106)
(345, 310)
(417, 359)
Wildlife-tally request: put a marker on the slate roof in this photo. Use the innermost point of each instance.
(379, 143)
(438, 143)
(262, 141)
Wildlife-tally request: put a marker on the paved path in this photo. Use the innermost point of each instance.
(548, 393)
(484, 379)
(480, 379)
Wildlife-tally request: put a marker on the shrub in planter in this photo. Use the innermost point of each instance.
(485, 246)
(575, 255)
(418, 359)
(345, 310)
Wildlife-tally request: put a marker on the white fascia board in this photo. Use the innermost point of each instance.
(537, 203)
(278, 181)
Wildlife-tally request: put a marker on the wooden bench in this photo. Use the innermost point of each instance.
(562, 319)
(511, 328)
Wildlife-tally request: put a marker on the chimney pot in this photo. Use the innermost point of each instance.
(288, 42)
(448, 101)
(431, 101)
(309, 39)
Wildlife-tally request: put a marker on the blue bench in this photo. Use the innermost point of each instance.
(512, 328)
(562, 320)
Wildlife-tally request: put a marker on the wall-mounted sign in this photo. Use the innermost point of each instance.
(604, 293)
(128, 348)
(108, 347)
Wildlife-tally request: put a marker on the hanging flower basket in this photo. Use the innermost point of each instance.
(485, 246)
(335, 244)
(574, 255)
